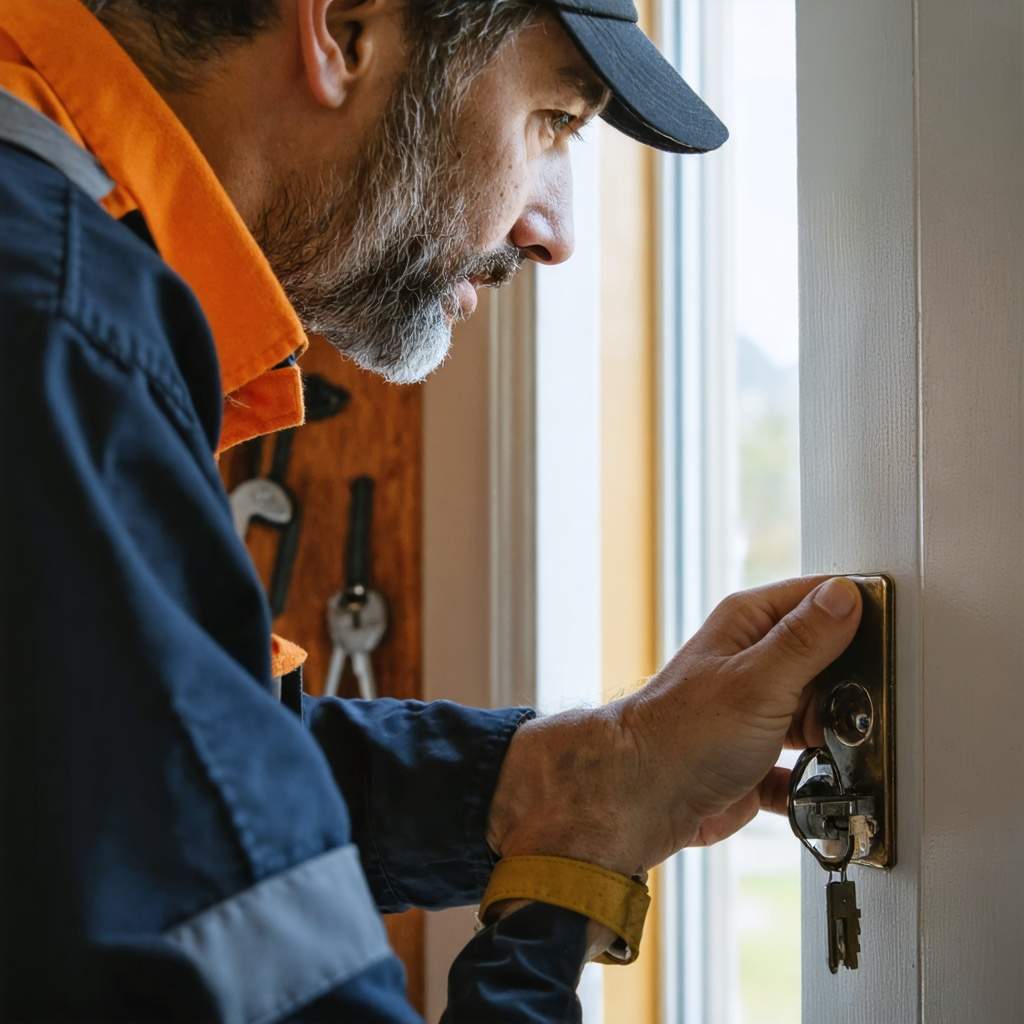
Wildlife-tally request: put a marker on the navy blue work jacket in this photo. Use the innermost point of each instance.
(179, 845)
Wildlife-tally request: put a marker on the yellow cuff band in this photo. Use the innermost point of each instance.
(611, 899)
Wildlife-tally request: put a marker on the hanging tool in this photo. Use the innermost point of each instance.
(268, 500)
(259, 499)
(288, 547)
(357, 616)
(323, 399)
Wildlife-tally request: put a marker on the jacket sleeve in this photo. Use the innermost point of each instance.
(522, 970)
(418, 780)
(171, 815)
(182, 851)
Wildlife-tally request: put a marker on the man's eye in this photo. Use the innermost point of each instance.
(562, 121)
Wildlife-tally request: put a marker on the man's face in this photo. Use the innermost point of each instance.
(383, 254)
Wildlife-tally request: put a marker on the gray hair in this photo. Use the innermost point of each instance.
(376, 277)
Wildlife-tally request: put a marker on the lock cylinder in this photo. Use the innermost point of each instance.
(842, 795)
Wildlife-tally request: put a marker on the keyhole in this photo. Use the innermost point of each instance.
(851, 714)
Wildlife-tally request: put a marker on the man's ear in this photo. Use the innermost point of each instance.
(336, 50)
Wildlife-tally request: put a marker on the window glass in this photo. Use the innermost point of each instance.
(731, 333)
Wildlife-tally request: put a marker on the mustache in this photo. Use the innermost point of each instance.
(495, 268)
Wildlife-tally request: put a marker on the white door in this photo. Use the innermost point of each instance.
(911, 193)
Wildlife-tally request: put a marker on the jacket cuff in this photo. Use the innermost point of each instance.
(522, 969)
(610, 899)
(418, 779)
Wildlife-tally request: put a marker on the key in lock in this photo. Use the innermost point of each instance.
(836, 826)
(833, 825)
(842, 797)
(855, 703)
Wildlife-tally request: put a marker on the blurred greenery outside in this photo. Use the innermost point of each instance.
(769, 959)
(749, 277)
(769, 467)
(765, 867)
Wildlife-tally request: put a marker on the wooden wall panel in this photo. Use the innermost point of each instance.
(379, 434)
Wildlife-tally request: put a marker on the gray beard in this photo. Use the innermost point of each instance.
(370, 259)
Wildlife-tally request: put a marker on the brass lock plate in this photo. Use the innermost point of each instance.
(856, 697)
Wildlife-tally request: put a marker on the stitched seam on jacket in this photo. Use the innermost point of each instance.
(222, 789)
(161, 376)
(261, 858)
(229, 799)
(57, 276)
(379, 864)
(71, 295)
(130, 353)
(126, 347)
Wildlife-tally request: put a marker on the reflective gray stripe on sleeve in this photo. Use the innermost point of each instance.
(288, 940)
(27, 128)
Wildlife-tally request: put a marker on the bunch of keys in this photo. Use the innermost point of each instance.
(833, 826)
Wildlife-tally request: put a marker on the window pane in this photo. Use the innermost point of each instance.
(762, 864)
(737, 347)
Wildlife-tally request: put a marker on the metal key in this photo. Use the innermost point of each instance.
(843, 924)
(833, 825)
(355, 633)
(862, 831)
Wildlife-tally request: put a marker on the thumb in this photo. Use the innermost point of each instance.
(810, 637)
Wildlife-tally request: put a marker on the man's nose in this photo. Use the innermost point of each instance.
(544, 230)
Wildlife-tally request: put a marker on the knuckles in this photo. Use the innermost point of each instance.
(738, 621)
(794, 636)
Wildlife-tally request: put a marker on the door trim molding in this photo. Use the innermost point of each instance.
(512, 340)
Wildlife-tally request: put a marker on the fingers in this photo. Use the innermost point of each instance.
(742, 619)
(773, 793)
(808, 638)
(732, 819)
(806, 728)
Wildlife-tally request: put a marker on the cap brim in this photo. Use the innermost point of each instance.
(650, 101)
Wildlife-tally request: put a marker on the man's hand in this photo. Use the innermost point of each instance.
(690, 758)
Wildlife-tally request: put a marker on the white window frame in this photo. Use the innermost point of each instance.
(697, 498)
(685, 199)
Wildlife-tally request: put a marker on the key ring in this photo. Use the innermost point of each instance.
(832, 865)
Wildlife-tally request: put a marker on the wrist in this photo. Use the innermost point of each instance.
(564, 790)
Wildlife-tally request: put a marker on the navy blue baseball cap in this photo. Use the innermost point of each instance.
(650, 101)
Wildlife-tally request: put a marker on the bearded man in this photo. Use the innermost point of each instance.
(186, 188)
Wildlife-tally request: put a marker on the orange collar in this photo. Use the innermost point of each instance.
(60, 59)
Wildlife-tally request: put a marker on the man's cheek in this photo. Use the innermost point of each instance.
(502, 201)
